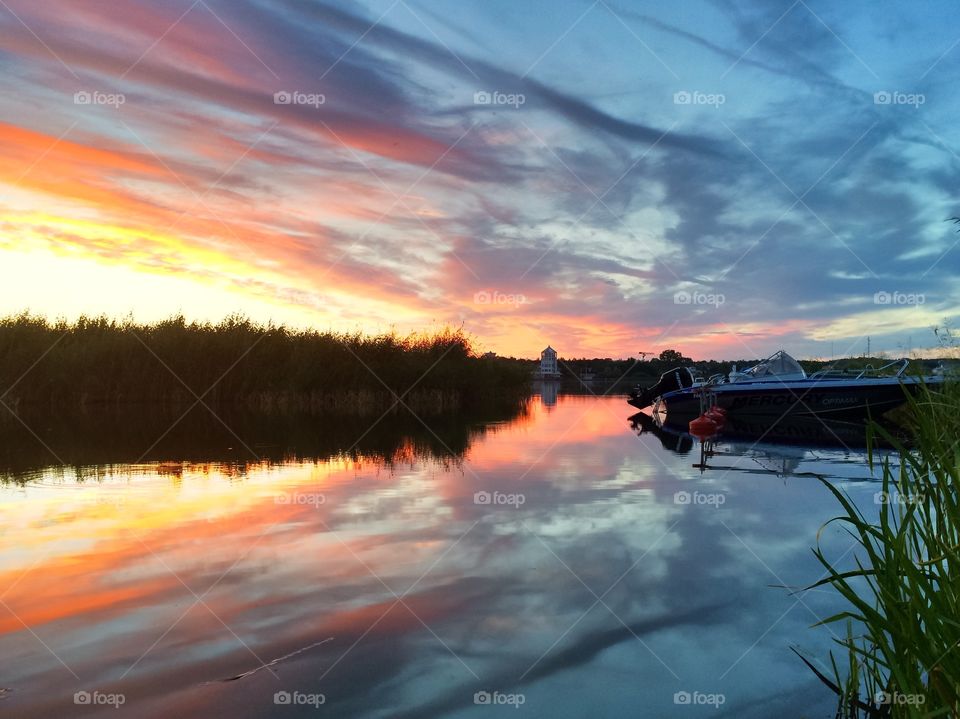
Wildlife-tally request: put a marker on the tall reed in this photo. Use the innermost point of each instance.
(102, 361)
(902, 641)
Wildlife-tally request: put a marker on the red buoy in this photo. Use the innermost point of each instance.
(716, 414)
(702, 427)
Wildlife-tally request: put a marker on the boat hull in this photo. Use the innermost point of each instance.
(806, 398)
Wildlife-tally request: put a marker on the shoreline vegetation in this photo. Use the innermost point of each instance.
(902, 621)
(103, 363)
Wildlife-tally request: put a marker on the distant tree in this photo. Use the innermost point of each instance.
(672, 356)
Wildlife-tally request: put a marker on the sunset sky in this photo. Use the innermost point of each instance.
(725, 178)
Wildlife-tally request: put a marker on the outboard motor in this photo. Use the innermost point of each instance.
(678, 378)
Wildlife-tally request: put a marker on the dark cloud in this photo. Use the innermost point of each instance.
(599, 200)
(492, 77)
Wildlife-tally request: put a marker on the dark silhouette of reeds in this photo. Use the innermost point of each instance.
(241, 363)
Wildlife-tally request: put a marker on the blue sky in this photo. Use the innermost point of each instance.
(724, 178)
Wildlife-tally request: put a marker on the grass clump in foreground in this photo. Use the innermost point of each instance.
(903, 621)
(99, 361)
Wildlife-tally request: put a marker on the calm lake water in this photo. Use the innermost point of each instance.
(556, 564)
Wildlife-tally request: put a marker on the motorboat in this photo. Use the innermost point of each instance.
(779, 387)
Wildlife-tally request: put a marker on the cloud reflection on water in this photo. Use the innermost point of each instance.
(428, 596)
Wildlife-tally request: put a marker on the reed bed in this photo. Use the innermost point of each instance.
(902, 637)
(100, 361)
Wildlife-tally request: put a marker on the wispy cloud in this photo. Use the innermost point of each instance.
(389, 166)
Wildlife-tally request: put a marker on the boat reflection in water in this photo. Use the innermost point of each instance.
(779, 448)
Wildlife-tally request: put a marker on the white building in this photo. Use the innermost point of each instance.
(548, 364)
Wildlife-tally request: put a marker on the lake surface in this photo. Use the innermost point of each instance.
(555, 564)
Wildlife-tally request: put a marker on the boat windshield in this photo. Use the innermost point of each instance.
(778, 366)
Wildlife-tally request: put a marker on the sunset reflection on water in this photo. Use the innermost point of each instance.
(594, 592)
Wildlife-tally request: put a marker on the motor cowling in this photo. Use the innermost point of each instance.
(678, 378)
